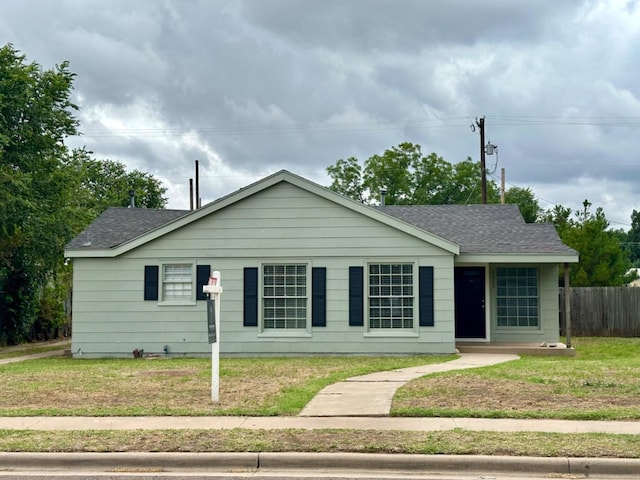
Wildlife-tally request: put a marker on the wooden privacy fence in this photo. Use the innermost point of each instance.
(603, 311)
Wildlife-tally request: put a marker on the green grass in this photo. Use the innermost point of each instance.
(601, 383)
(128, 387)
(455, 442)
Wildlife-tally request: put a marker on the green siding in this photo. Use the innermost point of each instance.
(281, 223)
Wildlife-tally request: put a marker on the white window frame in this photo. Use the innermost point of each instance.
(189, 299)
(371, 286)
(517, 296)
(264, 295)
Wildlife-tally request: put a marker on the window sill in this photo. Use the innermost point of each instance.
(519, 329)
(177, 303)
(392, 334)
(275, 333)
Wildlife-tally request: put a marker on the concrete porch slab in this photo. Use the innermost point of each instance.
(552, 349)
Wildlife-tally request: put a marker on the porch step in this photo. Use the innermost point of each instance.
(551, 349)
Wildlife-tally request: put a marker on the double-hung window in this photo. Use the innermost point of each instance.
(517, 297)
(285, 296)
(177, 282)
(391, 296)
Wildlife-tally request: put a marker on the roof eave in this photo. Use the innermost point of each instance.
(517, 258)
(89, 253)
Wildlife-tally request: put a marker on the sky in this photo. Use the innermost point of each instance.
(250, 87)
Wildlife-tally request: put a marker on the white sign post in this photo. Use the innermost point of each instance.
(214, 289)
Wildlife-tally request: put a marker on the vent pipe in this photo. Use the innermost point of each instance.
(191, 194)
(197, 199)
(132, 198)
(383, 195)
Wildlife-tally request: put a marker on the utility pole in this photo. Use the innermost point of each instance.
(197, 186)
(480, 123)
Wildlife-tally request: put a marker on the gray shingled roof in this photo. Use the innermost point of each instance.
(482, 228)
(116, 225)
(475, 228)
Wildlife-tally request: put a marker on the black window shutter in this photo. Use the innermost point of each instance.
(202, 278)
(250, 297)
(356, 299)
(151, 282)
(426, 296)
(319, 297)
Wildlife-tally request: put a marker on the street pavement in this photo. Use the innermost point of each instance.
(360, 403)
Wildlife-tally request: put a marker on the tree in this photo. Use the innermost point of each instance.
(526, 201)
(633, 238)
(35, 118)
(48, 194)
(602, 259)
(409, 177)
(107, 183)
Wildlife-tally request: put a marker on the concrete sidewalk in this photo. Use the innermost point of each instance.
(372, 394)
(61, 346)
(427, 424)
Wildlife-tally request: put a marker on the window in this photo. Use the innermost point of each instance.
(285, 298)
(390, 295)
(177, 282)
(517, 297)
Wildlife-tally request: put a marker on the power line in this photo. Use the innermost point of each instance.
(422, 123)
(539, 198)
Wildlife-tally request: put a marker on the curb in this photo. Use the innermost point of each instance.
(270, 461)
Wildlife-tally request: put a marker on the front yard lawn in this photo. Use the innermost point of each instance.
(601, 383)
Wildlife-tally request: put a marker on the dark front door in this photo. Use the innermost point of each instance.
(469, 302)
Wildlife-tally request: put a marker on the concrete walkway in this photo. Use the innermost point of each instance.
(50, 353)
(416, 424)
(371, 395)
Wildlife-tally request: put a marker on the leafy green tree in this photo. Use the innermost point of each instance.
(47, 194)
(526, 201)
(633, 238)
(35, 118)
(603, 262)
(409, 177)
(107, 183)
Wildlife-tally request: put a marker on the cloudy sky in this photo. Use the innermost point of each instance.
(251, 87)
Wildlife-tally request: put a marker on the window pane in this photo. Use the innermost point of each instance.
(177, 282)
(285, 305)
(390, 296)
(517, 297)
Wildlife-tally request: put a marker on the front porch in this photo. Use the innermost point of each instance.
(552, 349)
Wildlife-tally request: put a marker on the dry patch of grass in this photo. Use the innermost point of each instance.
(370, 441)
(602, 382)
(248, 386)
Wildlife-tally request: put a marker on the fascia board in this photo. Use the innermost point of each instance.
(89, 253)
(515, 258)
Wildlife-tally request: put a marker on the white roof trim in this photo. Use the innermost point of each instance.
(516, 258)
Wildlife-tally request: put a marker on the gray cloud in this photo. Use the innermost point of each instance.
(248, 87)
